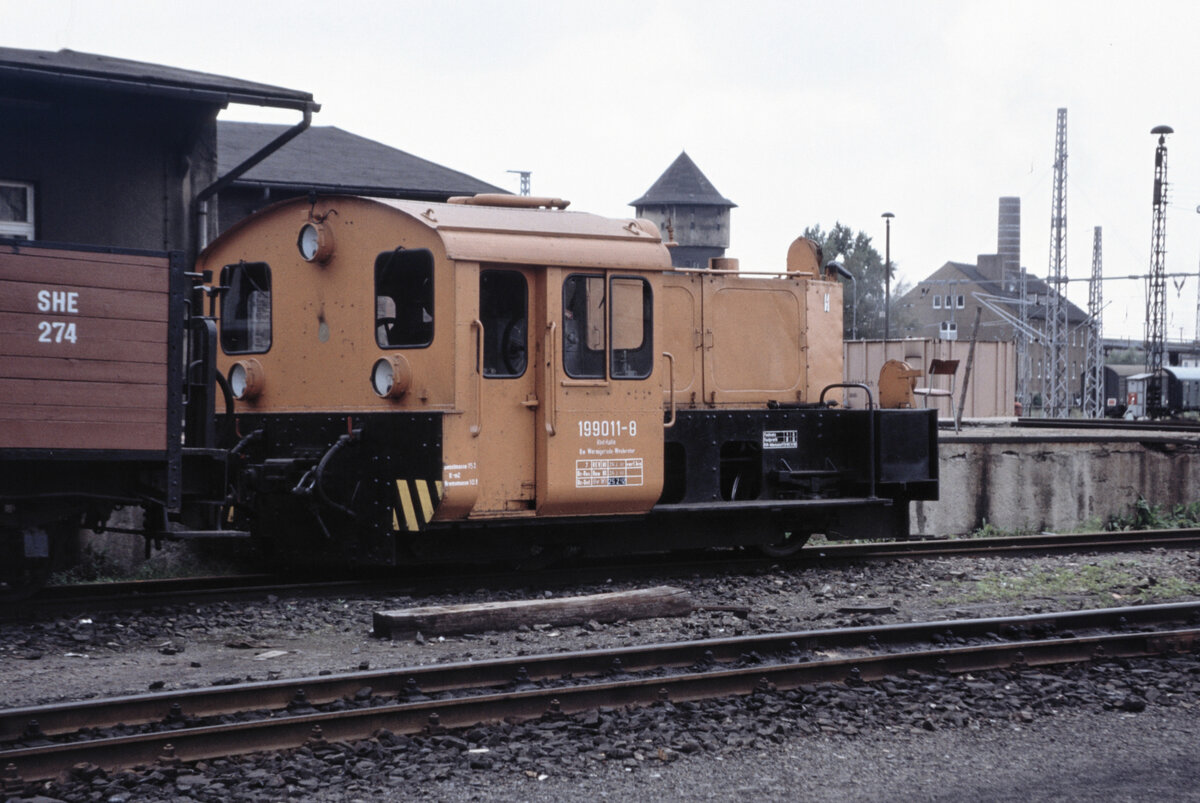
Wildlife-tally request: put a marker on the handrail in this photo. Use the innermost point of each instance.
(477, 427)
(671, 387)
(551, 365)
(870, 427)
(827, 388)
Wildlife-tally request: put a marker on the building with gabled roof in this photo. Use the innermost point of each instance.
(105, 151)
(327, 159)
(687, 208)
(943, 304)
(112, 152)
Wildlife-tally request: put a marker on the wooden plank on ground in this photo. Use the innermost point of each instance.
(647, 603)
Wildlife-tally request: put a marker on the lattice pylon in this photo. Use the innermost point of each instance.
(1156, 281)
(1057, 398)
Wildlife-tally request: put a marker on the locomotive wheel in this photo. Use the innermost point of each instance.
(789, 544)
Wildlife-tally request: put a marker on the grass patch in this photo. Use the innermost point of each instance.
(1145, 516)
(1110, 582)
(989, 530)
(1142, 515)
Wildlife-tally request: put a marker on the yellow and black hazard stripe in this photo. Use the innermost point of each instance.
(416, 502)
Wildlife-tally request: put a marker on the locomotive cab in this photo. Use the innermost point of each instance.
(404, 370)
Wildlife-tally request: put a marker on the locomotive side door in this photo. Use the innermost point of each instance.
(507, 401)
(600, 433)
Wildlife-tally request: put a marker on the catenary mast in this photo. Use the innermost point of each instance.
(1156, 282)
(1057, 401)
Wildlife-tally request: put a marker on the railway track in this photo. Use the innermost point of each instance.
(189, 591)
(43, 742)
(1157, 425)
(1043, 543)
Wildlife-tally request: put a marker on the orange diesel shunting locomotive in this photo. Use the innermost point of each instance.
(407, 367)
(409, 381)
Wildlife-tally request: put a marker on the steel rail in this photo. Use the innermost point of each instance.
(1118, 540)
(415, 684)
(194, 744)
(1159, 425)
(100, 597)
(63, 718)
(159, 586)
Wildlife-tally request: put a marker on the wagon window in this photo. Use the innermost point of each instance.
(404, 298)
(632, 345)
(504, 313)
(583, 326)
(246, 308)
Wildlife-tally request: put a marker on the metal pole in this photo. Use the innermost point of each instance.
(966, 383)
(1156, 285)
(1198, 301)
(887, 277)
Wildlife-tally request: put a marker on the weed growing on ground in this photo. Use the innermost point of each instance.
(1109, 582)
(1142, 515)
(989, 530)
(1145, 516)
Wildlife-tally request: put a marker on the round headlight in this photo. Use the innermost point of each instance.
(246, 379)
(382, 377)
(315, 242)
(391, 376)
(237, 380)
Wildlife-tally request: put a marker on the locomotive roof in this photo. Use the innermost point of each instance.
(538, 236)
(482, 233)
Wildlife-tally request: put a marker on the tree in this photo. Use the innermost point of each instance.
(1130, 356)
(867, 292)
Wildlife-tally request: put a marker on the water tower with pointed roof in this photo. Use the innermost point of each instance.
(684, 203)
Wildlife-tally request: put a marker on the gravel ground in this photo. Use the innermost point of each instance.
(1115, 731)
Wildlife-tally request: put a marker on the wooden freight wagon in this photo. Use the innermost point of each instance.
(84, 341)
(93, 357)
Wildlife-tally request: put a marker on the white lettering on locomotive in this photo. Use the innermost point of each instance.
(608, 473)
(780, 439)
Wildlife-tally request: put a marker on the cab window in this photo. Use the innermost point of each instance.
(404, 298)
(583, 326)
(504, 313)
(631, 355)
(616, 319)
(246, 308)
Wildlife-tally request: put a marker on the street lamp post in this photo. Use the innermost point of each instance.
(1198, 303)
(887, 277)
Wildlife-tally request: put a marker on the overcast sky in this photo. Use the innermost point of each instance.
(800, 112)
